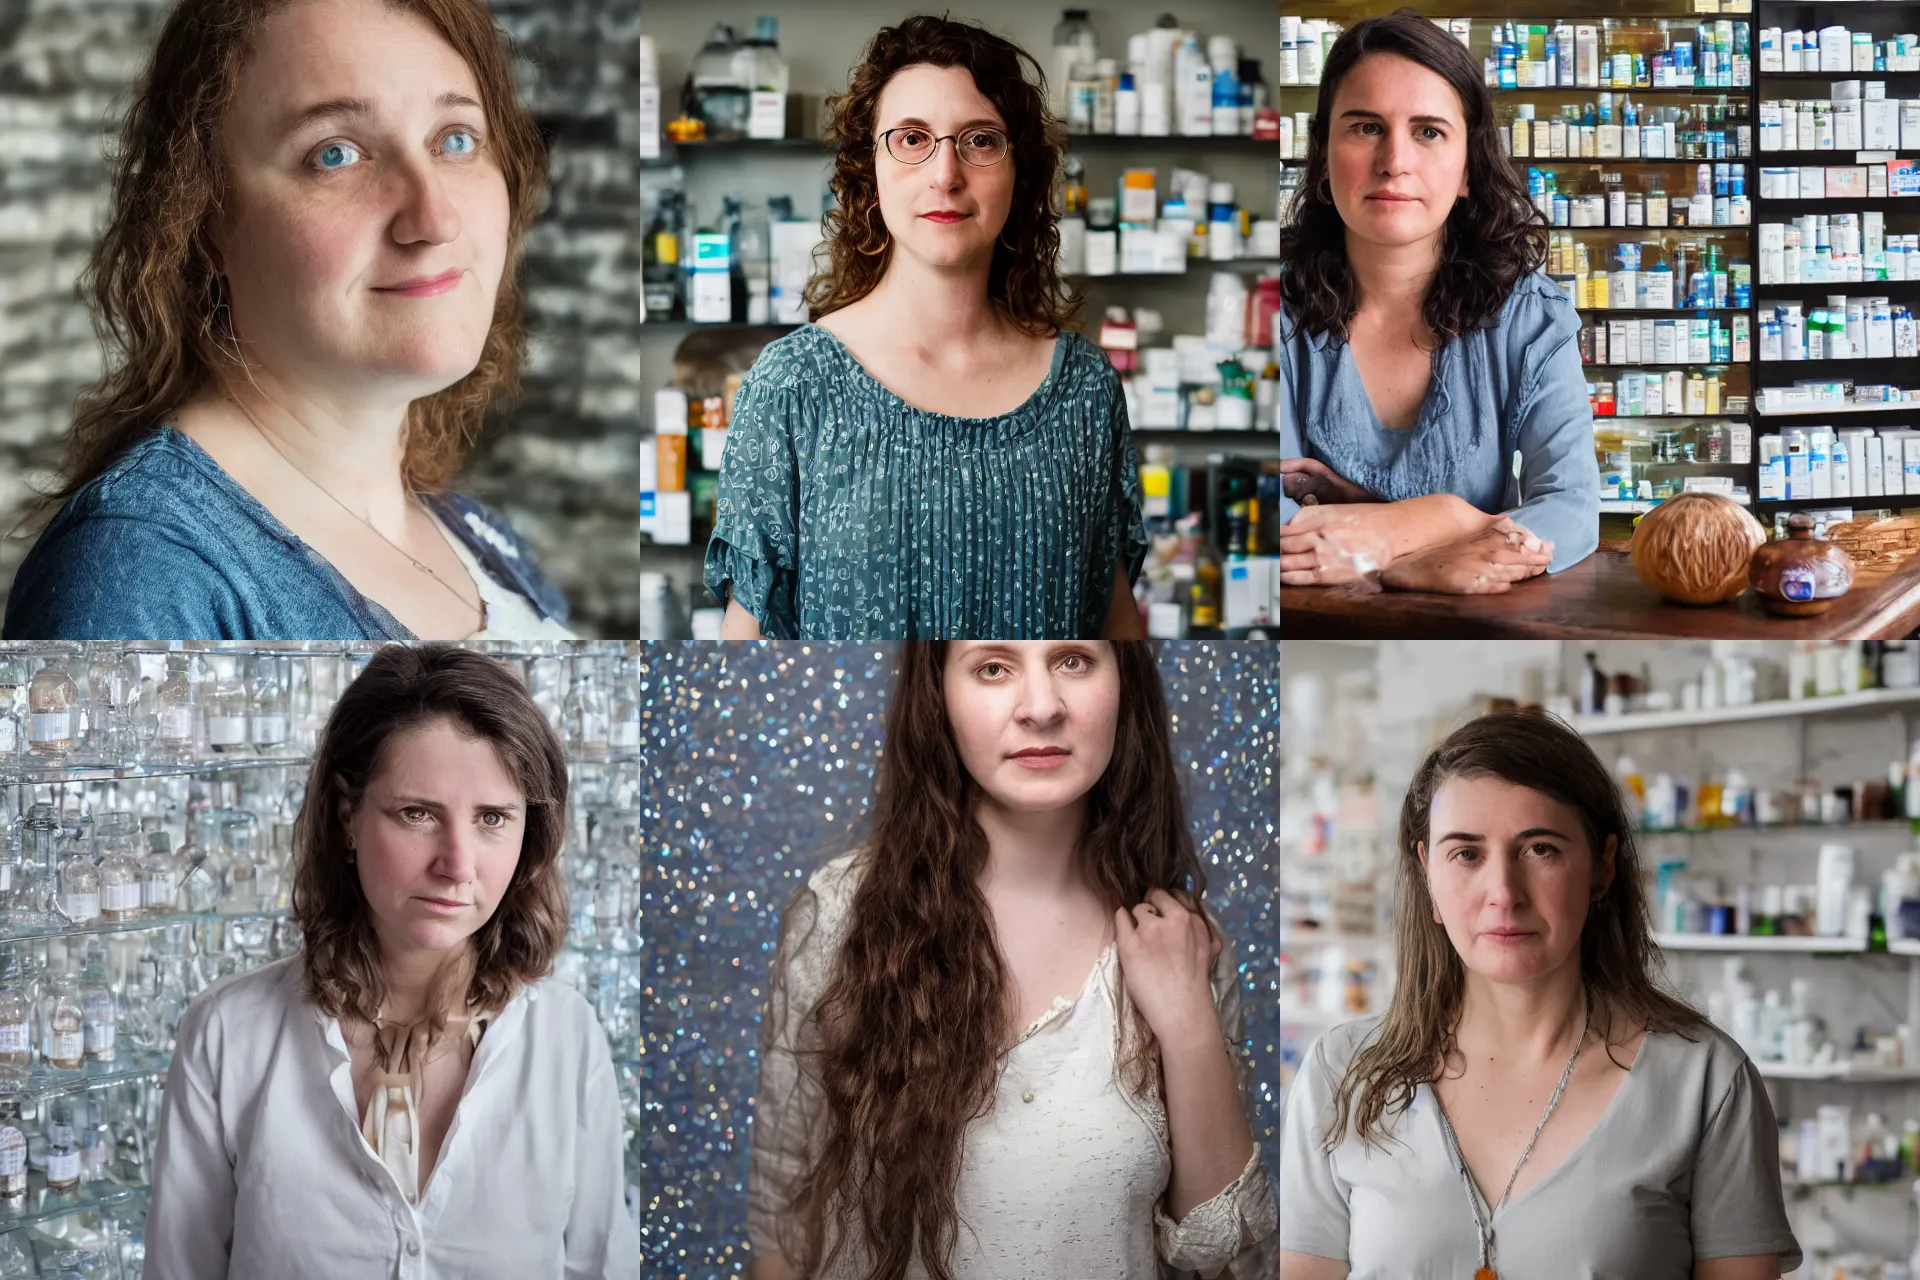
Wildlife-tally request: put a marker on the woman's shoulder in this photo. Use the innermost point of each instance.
(160, 464)
(253, 1001)
(1537, 307)
(1334, 1050)
(1701, 1053)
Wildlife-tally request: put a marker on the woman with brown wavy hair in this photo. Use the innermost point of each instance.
(1000, 1036)
(412, 1094)
(306, 291)
(1534, 1102)
(941, 453)
(1422, 347)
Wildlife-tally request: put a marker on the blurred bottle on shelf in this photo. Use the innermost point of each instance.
(660, 261)
(722, 98)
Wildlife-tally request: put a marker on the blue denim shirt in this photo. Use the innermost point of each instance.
(1513, 385)
(165, 545)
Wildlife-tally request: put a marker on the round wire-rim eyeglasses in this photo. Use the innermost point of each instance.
(999, 151)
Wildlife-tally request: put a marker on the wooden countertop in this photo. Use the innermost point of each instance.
(1602, 598)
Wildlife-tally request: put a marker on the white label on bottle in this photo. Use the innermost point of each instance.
(67, 1046)
(176, 723)
(14, 1037)
(120, 897)
(626, 734)
(157, 889)
(13, 1152)
(99, 1028)
(63, 1166)
(9, 735)
(83, 906)
(269, 730)
(226, 731)
(51, 726)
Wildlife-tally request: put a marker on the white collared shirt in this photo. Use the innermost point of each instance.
(261, 1171)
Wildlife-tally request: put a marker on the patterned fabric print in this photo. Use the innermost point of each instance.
(847, 514)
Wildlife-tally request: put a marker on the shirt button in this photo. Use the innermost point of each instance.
(1027, 1096)
(413, 1248)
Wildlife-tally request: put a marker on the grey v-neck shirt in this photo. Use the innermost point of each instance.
(1684, 1164)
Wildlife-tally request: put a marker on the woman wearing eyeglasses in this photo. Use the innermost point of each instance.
(941, 454)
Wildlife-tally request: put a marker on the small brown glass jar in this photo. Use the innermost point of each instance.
(1800, 575)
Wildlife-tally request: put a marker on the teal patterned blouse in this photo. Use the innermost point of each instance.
(847, 514)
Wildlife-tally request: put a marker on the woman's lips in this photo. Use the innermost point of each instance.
(1041, 760)
(1508, 935)
(944, 218)
(423, 286)
(442, 904)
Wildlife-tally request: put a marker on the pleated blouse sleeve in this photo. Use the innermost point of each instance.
(752, 556)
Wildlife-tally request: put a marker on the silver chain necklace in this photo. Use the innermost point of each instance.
(1484, 1228)
(411, 500)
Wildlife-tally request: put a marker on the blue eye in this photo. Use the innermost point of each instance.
(452, 146)
(336, 155)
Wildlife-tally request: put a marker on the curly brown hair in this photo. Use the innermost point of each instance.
(159, 308)
(906, 1039)
(1619, 963)
(1492, 238)
(402, 688)
(1023, 280)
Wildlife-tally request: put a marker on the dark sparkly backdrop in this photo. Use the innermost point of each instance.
(760, 762)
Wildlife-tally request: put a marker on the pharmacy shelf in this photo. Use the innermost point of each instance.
(1772, 828)
(1750, 943)
(1641, 721)
(1659, 311)
(57, 774)
(1903, 946)
(128, 1064)
(1294, 938)
(35, 934)
(1640, 506)
(1822, 411)
(43, 1205)
(1840, 1073)
(1615, 162)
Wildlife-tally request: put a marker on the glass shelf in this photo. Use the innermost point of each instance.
(43, 1205)
(56, 774)
(128, 1064)
(134, 926)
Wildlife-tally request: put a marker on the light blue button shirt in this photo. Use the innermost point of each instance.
(1512, 386)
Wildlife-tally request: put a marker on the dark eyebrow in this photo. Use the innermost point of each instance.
(359, 109)
(1528, 834)
(1375, 115)
(421, 802)
(968, 124)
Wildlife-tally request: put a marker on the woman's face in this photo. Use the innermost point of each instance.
(1511, 875)
(940, 101)
(436, 837)
(1033, 719)
(1396, 151)
(365, 229)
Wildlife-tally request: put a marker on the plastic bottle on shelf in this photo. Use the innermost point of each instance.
(1074, 41)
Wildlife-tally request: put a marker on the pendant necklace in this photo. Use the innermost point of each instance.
(411, 501)
(1484, 1228)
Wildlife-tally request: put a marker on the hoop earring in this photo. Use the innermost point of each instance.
(1327, 184)
(884, 242)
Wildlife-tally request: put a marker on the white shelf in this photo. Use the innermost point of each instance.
(1749, 942)
(1295, 938)
(1634, 722)
(1821, 411)
(1839, 1072)
(1903, 946)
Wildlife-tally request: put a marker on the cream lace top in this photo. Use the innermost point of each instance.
(1065, 1176)
(391, 1122)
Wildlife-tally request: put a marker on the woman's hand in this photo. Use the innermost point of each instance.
(1485, 564)
(1166, 955)
(1326, 546)
(1310, 482)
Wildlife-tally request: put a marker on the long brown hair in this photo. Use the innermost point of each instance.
(1493, 237)
(1024, 279)
(911, 1027)
(159, 308)
(1625, 978)
(404, 687)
